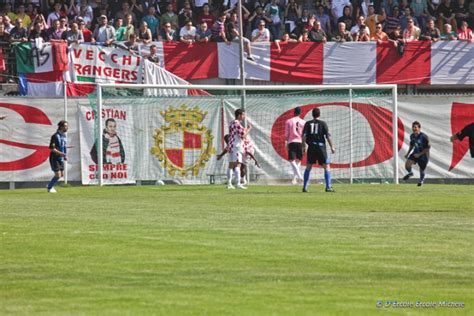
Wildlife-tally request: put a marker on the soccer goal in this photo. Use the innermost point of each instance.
(163, 132)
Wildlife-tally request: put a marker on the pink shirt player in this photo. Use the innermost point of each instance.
(294, 129)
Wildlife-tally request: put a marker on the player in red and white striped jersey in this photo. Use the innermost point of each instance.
(237, 134)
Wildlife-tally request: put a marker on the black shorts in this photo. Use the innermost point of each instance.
(295, 151)
(56, 165)
(421, 161)
(317, 154)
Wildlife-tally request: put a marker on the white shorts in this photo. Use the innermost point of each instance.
(236, 157)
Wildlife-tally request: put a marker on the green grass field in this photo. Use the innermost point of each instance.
(186, 250)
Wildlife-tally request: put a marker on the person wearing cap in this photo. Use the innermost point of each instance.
(103, 33)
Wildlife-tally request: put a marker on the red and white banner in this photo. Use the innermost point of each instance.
(178, 137)
(331, 63)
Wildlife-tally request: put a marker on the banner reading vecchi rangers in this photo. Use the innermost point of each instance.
(118, 152)
(105, 64)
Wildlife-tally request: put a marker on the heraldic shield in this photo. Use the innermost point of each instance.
(183, 146)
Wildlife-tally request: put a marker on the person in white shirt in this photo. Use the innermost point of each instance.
(187, 34)
(261, 34)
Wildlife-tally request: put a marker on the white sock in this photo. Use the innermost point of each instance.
(296, 169)
(229, 176)
(300, 176)
(237, 174)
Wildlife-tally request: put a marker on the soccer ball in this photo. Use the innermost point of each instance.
(160, 182)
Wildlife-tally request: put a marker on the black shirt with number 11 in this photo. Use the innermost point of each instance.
(316, 132)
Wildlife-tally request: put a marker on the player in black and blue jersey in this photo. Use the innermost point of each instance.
(315, 135)
(57, 156)
(420, 144)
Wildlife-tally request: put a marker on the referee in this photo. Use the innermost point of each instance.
(315, 134)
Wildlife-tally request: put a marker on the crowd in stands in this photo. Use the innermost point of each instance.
(137, 21)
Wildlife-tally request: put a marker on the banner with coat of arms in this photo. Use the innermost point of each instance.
(161, 139)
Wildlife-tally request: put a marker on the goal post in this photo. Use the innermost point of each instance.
(299, 93)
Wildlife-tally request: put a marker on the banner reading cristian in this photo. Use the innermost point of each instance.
(105, 64)
(117, 145)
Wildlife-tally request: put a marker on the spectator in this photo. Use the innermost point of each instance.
(396, 38)
(144, 34)
(292, 14)
(448, 34)
(84, 15)
(129, 27)
(317, 34)
(7, 11)
(379, 35)
(461, 11)
(407, 16)
(363, 35)
(446, 14)
(55, 15)
(206, 17)
(170, 17)
(55, 32)
(119, 30)
(153, 56)
(346, 18)
(167, 33)
(132, 44)
(302, 22)
(363, 8)
(203, 33)
(304, 37)
(103, 33)
(388, 5)
(337, 7)
(152, 21)
(233, 35)
(431, 32)
(420, 12)
(187, 34)
(356, 28)
(199, 7)
(63, 24)
(136, 9)
(372, 19)
(185, 15)
(41, 21)
(342, 35)
(218, 29)
(7, 23)
(18, 33)
(323, 18)
(124, 12)
(261, 34)
(258, 16)
(284, 39)
(464, 32)
(273, 12)
(4, 36)
(22, 15)
(38, 32)
(74, 35)
(392, 21)
(310, 23)
(86, 33)
(412, 32)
